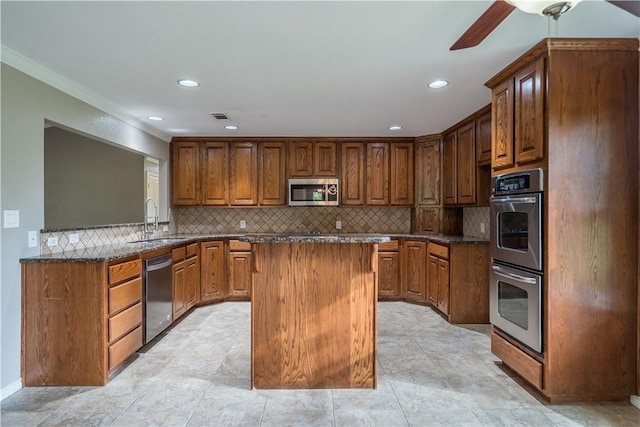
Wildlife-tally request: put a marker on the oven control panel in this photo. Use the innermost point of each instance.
(529, 181)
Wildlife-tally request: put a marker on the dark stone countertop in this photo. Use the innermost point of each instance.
(107, 253)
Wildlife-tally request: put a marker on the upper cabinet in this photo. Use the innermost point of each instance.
(402, 176)
(308, 158)
(518, 120)
(215, 164)
(272, 159)
(352, 171)
(377, 184)
(428, 170)
(483, 139)
(185, 173)
(243, 173)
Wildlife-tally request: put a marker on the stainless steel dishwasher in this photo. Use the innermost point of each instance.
(158, 291)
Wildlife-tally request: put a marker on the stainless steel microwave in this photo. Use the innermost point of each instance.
(314, 192)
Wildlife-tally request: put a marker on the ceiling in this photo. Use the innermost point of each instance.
(344, 68)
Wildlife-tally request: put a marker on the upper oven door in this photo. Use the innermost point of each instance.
(516, 230)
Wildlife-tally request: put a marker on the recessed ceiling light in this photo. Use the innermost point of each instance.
(188, 83)
(395, 127)
(437, 84)
(231, 127)
(155, 118)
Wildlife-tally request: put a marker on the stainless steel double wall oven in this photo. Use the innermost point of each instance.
(516, 279)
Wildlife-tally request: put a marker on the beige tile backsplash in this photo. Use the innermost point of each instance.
(262, 220)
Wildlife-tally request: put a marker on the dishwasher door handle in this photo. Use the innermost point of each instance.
(160, 265)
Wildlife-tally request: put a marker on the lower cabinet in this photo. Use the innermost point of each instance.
(240, 276)
(388, 270)
(213, 276)
(438, 277)
(413, 274)
(186, 278)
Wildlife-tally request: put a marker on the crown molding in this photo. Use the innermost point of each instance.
(53, 79)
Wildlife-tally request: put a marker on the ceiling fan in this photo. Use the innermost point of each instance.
(500, 9)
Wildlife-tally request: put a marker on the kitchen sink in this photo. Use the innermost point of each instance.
(159, 240)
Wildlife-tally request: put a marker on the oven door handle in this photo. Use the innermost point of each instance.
(513, 276)
(511, 199)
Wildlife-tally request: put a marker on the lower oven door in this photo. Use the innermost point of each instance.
(516, 304)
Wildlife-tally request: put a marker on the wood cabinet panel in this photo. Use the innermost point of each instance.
(324, 158)
(192, 249)
(243, 174)
(352, 174)
(428, 172)
(124, 295)
(529, 368)
(388, 275)
(429, 219)
(443, 286)
(272, 183)
(124, 270)
(213, 276)
(402, 175)
(377, 186)
(466, 164)
(449, 169)
(502, 116)
(179, 306)
(301, 158)
(185, 173)
(192, 281)
(529, 86)
(122, 349)
(125, 321)
(240, 275)
(483, 139)
(414, 265)
(215, 174)
(432, 280)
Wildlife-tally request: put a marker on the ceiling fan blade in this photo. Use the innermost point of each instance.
(487, 22)
(631, 6)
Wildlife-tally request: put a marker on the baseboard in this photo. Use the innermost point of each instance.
(635, 401)
(10, 389)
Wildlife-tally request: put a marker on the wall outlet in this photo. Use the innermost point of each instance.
(165, 228)
(52, 241)
(33, 239)
(482, 227)
(243, 224)
(74, 238)
(338, 225)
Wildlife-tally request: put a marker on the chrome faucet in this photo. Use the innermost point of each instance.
(147, 232)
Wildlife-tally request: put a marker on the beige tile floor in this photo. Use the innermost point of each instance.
(430, 373)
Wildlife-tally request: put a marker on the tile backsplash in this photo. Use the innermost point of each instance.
(293, 219)
(473, 218)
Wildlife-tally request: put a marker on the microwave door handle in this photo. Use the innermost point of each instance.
(513, 276)
(530, 200)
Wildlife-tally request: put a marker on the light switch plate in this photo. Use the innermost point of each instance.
(74, 238)
(52, 241)
(338, 225)
(32, 239)
(482, 227)
(243, 224)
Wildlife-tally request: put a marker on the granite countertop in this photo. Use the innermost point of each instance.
(106, 253)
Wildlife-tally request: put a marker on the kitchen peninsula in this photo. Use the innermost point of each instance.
(314, 311)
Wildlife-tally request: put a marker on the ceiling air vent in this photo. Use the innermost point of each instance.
(220, 116)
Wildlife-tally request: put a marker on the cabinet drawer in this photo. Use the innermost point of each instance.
(123, 322)
(124, 271)
(237, 245)
(125, 294)
(192, 250)
(391, 246)
(120, 350)
(438, 250)
(529, 368)
(178, 254)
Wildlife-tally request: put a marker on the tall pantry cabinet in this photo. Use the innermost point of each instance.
(570, 107)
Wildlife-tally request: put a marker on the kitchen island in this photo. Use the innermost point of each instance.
(314, 311)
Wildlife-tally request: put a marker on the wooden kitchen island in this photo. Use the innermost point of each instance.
(314, 311)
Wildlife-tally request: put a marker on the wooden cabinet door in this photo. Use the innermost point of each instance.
(300, 159)
(243, 174)
(502, 115)
(272, 185)
(414, 260)
(185, 173)
(432, 280)
(443, 285)
(429, 220)
(529, 113)
(483, 139)
(240, 275)
(352, 173)
(192, 281)
(215, 176)
(466, 164)
(449, 170)
(324, 158)
(377, 188)
(402, 176)
(213, 276)
(428, 172)
(179, 291)
(388, 274)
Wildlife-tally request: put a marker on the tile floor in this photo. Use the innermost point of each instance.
(430, 373)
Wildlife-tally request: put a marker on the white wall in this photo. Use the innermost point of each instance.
(25, 104)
